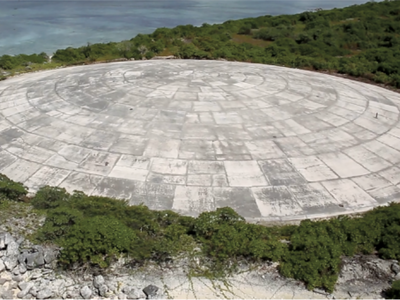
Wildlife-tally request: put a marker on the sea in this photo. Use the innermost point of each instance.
(35, 26)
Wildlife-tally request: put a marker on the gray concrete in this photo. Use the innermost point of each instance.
(272, 143)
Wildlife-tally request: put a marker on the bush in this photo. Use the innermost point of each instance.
(314, 254)
(49, 197)
(59, 222)
(96, 240)
(245, 29)
(11, 189)
(209, 222)
(394, 291)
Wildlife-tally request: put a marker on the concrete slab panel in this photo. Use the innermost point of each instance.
(378, 187)
(193, 200)
(312, 168)
(169, 166)
(276, 201)
(280, 172)
(21, 170)
(99, 163)
(343, 165)
(244, 174)
(367, 159)
(46, 176)
(392, 175)
(314, 199)
(350, 195)
(240, 200)
(162, 147)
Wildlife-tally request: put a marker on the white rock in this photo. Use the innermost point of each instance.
(103, 289)
(86, 292)
(44, 294)
(8, 238)
(36, 273)
(22, 269)
(98, 281)
(34, 291)
(25, 288)
(10, 262)
(122, 296)
(134, 293)
(2, 266)
(15, 271)
(12, 248)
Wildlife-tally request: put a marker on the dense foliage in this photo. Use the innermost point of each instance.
(8, 62)
(95, 230)
(10, 189)
(360, 40)
(394, 291)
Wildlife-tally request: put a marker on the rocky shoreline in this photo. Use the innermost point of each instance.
(30, 272)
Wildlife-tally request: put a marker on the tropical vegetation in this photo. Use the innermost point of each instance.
(361, 41)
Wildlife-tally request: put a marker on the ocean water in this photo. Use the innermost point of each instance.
(34, 26)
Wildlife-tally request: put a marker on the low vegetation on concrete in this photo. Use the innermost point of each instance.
(97, 230)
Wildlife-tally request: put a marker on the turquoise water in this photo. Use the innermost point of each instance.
(43, 26)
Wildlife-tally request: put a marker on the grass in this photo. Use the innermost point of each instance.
(167, 52)
(341, 22)
(240, 39)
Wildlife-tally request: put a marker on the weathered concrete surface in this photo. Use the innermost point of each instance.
(273, 143)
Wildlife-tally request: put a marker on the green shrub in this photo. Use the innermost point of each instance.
(11, 189)
(209, 222)
(59, 222)
(97, 240)
(394, 291)
(314, 256)
(49, 197)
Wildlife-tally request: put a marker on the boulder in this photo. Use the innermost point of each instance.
(22, 257)
(10, 262)
(49, 255)
(103, 289)
(34, 260)
(25, 288)
(35, 274)
(58, 286)
(150, 291)
(5, 239)
(34, 291)
(44, 294)
(134, 293)
(39, 259)
(17, 278)
(12, 248)
(8, 294)
(395, 268)
(15, 271)
(2, 242)
(86, 292)
(72, 293)
(98, 281)
(2, 266)
(122, 296)
(22, 269)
